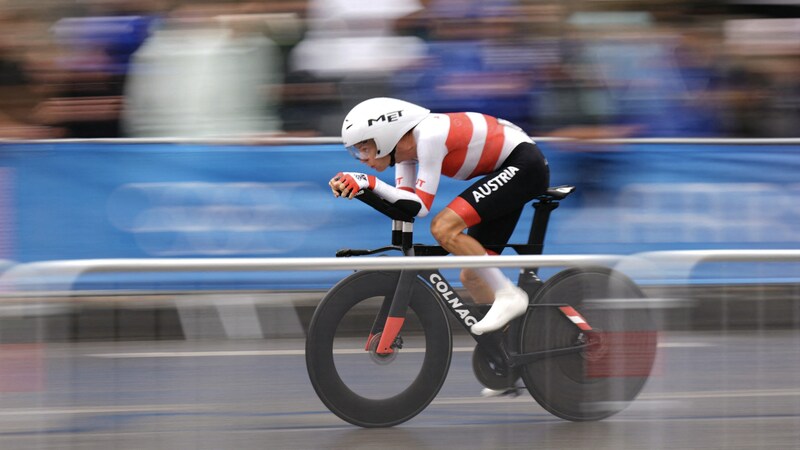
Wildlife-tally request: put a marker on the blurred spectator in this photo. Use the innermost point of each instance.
(349, 53)
(482, 56)
(347, 37)
(700, 72)
(637, 61)
(204, 75)
(763, 82)
(294, 95)
(87, 75)
(783, 105)
(18, 94)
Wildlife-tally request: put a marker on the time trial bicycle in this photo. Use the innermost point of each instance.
(379, 344)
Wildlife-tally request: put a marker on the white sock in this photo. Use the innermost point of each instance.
(493, 277)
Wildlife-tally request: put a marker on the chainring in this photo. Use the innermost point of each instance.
(490, 374)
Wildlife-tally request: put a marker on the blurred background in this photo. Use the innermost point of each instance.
(117, 68)
(205, 129)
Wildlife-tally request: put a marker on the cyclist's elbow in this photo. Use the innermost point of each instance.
(412, 207)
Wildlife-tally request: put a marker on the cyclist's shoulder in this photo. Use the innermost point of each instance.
(431, 133)
(434, 123)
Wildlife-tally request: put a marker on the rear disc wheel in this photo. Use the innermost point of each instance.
(604, 378)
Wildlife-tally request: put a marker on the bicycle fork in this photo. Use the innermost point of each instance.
(392, 314)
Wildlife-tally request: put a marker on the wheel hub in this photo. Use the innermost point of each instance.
(596, 348)
(383, 358)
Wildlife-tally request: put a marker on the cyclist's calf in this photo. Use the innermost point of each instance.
(475, 284)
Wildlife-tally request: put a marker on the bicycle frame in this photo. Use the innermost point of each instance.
(392, 314)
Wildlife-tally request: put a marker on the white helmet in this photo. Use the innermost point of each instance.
(383, 119)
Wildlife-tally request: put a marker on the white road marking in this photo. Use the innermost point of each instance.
(685, 344)
(354, 351)
(101, 409)
(349, 351)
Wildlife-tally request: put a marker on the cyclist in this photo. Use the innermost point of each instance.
(510, 171)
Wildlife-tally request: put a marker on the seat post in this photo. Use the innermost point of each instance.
(545, 204)
(528, 276)
(541, 217)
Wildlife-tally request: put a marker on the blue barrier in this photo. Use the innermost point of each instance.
(78, 200)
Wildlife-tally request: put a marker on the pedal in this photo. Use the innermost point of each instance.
(511, 392)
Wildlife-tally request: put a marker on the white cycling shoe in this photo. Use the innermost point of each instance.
(510, 302)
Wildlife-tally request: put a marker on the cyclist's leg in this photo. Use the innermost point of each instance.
(492, 232)
(448, 229)
(489, 232)
(509, 301)
(523, 176)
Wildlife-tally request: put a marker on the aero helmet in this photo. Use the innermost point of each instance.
(383, 119)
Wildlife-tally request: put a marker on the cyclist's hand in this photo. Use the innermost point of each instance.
(348, 184)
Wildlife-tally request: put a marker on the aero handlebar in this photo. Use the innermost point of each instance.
(391, 210)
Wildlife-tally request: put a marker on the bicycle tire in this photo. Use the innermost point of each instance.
(335, 393)
(593, 384)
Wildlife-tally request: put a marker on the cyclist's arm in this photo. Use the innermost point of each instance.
(402, 194)
(417, 181)
(417, 186)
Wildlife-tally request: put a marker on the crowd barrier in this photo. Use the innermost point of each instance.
(61, 313)
(665, 265)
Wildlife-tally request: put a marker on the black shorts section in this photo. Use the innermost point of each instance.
(499, 197)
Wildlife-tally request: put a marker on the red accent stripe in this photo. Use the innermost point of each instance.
(457, 142)
(491, 149)
(390, 332)
(426, 198)
(371, 179)
(465, 211)
(575, 317)
(622, 354)
(406, 188)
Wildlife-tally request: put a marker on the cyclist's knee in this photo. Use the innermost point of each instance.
(444, 229)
